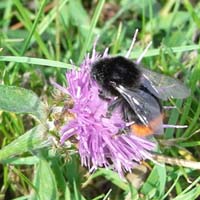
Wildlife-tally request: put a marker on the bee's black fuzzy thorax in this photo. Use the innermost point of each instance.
(118, 70)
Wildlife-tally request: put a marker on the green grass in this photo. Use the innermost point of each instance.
(38, 40)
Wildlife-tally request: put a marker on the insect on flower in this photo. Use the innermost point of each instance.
(138, 91)
(111, 96)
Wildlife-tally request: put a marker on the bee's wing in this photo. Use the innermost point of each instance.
(145, 106)
(162, 86)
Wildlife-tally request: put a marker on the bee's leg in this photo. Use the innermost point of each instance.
(123, 131)
(128, 113)
(104, 95)
(112, 106)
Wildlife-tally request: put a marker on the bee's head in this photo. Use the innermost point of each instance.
(118, 70)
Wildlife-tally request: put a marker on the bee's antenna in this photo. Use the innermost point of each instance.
(143, 53)
(132, 44)
(174, 126)
(169, 107)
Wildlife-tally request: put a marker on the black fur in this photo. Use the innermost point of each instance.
(118, 70)
(115, 71)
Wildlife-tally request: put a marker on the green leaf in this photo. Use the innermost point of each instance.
(20, 100)
(94, 20)
(49, 18)
(192, 12)
(59, 175)
(155, 184)
(33, 139)
(165, 22)
(67, 192)
(77, 193)
(45, 182)
(31, 160)
(111, 176)
(154, 52)
(36, 61)
(80, 18)
(26, 20)
(191, 195)
(22, 198)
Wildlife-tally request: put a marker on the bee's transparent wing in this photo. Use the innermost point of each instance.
(145, 106)
(162, 86)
